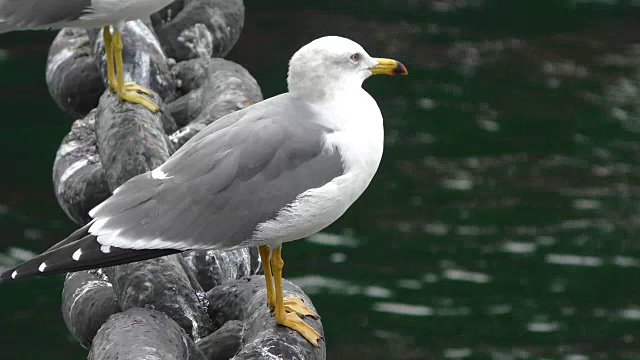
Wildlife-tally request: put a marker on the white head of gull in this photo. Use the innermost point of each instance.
(327, 67)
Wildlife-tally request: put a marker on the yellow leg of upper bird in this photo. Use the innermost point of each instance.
(111, 73)
(108, 48)
(129, 91)
(265, 257)
(289, 319)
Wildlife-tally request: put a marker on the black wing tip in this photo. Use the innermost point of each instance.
(14, 274)
(84, 254)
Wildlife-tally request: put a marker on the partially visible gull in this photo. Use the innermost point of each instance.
(54, 14)
(277, 171)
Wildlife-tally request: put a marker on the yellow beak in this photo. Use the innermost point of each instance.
(388, 67)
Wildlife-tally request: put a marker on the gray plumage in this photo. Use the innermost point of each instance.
(235, 174)
(33, 14)
(277, 171)
(55, 14)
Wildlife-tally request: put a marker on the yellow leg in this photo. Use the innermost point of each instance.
(129, 91)
(288, 319)
(265, 257)
(291, 303)
(108, 48)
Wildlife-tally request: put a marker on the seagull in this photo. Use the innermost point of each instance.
(277, 171)
(55, 14)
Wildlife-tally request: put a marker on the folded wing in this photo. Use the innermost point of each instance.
(34, 14)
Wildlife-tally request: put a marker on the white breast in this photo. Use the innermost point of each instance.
(359, 136)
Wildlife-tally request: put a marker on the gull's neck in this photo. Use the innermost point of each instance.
(323, 94)
(357, 127)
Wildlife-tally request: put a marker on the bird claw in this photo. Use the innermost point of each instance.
(132, 86)
(293, 304)
(296, 304)
(132, 93)
(294, 322)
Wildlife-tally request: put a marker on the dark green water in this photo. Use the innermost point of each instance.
(502, 223)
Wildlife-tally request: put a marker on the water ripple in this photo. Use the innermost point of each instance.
(576, 260)
(463, 275)
(403, 309)
(327, 239)
(542, 327)
(314, 284)
(516, 247)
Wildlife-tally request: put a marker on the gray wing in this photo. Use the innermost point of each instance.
(32, 14)
(235, 174)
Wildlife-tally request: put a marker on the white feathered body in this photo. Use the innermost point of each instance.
(359, 136)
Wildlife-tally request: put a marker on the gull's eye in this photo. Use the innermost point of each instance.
(354, 57)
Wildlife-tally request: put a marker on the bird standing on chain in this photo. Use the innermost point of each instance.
(277, 171)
